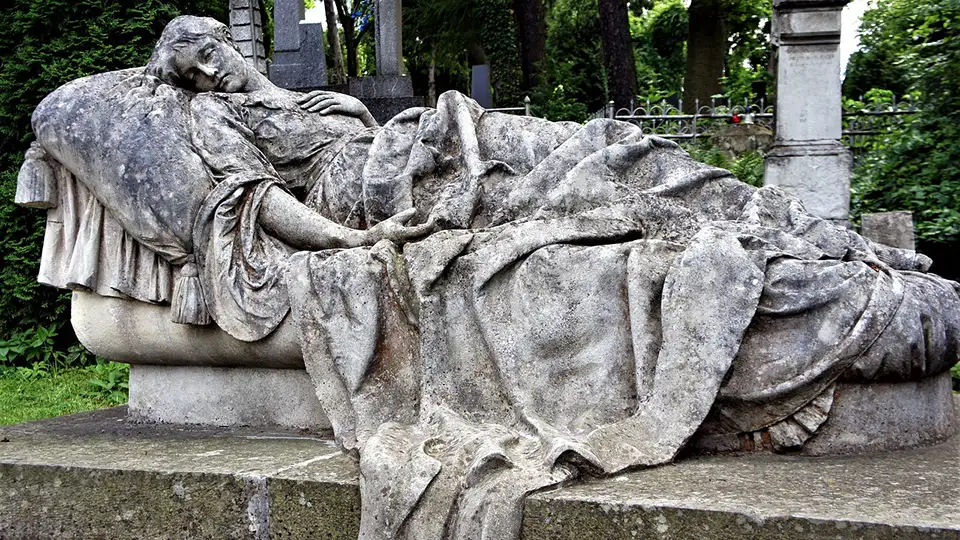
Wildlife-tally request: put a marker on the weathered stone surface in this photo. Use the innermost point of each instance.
(889, 228)
(224, 397)
(818, 175)
(97, 475)
(903, 495)
(298, 60)
(887, 416)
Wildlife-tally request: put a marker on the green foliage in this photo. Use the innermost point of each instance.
(37, 348)
(916, 167)
(660, 40)
(110, 382)
(748, 29)
(46, 43)
(748, 167)
(878, 63)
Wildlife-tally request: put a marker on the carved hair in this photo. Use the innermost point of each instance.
(179, 32)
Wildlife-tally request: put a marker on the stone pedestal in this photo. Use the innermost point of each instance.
(298, 49)
(808, 159)
(227, 397)
(389, 38)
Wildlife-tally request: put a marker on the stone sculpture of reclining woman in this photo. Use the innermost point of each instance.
(586, 300)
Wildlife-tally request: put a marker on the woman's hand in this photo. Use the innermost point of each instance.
(396, 230)
(323, 102)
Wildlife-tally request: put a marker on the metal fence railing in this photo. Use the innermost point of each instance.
(515, 110)
(862, 123)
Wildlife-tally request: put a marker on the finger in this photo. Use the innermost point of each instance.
(310, 95)
(334, 107)
(404, 216)
(421, 230)
(316, 101)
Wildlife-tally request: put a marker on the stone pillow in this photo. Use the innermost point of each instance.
(126, 136)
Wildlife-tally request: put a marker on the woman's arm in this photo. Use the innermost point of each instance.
(300, 227)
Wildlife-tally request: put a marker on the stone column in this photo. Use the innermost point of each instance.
(298, 48)
(808, 159)
(246, 26)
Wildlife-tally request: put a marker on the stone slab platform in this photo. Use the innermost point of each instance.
(96, 475)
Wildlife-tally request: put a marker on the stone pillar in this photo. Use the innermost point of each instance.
(808, 159)
(298, 48)
(246, 26)
(389, 38)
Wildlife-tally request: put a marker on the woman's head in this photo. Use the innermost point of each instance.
(197, 53)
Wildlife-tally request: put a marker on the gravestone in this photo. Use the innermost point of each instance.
(246, 27)
(389, 92)
(480, 85)
(298, 51)
(808, 159)
(889, 228)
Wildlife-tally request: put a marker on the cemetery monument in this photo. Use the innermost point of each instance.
(485, 305)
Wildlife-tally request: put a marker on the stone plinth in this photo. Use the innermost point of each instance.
(819, 174)
(225, 397)
(808, 159)
(889, 228)
(95, 475)
(384, 95)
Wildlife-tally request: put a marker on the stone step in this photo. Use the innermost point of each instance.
(96, 475)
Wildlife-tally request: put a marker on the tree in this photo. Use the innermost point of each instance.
(706, 48)
(878, 62)
(355, 18)
(46, 43)
(532, 37)
(618, 52)
(338, 74)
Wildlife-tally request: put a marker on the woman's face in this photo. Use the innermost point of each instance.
(212, 66)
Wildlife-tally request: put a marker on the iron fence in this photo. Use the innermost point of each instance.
(671, 122)
(515, 110)
(862, 123)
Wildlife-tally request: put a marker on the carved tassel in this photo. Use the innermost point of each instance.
(188, 306)
(36, 184)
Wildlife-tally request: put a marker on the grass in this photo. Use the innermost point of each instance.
(69, 391)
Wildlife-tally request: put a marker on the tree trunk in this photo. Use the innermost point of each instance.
(432, 84)
(532, 37)
(618, 52)
(706, 45)
(346, 22)
(337, 73)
